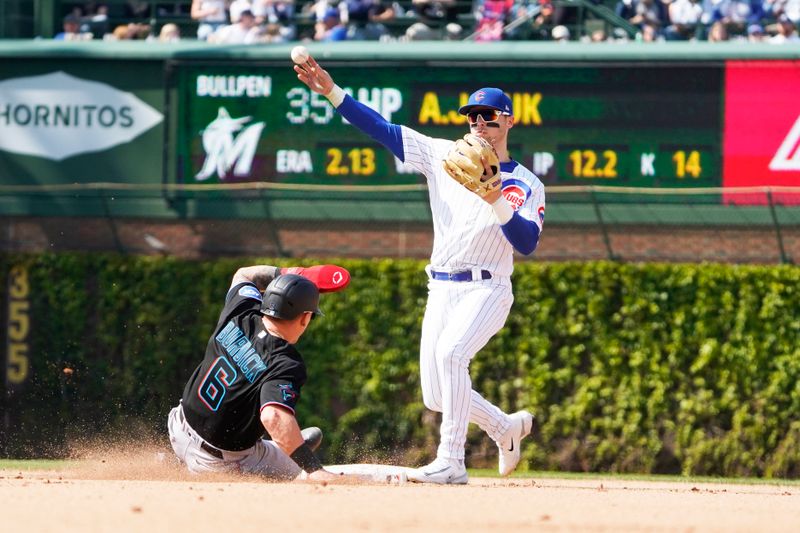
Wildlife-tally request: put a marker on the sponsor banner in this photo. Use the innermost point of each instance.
(56, 116)
(762, 128)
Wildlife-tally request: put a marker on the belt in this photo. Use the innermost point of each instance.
(211, 450)
(461, 275)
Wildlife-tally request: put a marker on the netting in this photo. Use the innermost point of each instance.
(756, 224)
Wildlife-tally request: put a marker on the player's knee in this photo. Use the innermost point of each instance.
(432, 401)
(453, 359)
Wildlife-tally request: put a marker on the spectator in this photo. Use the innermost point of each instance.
(279, 17)
(757, 13)
(123, 32)
(492, 16)
(598, 36)
(211, 14)
(684, 16)
(237, 6)
(246, 31)
(787, 32)
(318, 9)
(734, 14)
(272, 33)
(453, 32)
(776, 8)
(129, 32)
(136, 9)
(169, 33)
(645, 12)
(755, 33)
(625, 9)
(330, 28)
(560, 34)
(365, 19)
(718, 32)
(72, 30)
(435, 20)
(93, 19)
(544, 22)
(650, 33)
(522, 12)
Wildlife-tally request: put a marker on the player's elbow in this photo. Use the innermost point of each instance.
(529, 247)
(240, 276)
(269, 418)
(522, 234)
(273, 418)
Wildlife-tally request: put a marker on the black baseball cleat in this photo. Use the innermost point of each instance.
(313, 437)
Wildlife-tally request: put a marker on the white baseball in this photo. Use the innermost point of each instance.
(299, 54)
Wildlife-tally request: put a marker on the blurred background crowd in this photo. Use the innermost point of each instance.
(278, 21)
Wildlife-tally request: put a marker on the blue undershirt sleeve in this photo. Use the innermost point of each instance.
(373, 124)
(522, 234)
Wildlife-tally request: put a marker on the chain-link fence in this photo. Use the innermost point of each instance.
(760, 225)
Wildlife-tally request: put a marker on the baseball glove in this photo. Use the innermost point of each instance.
(463, 164)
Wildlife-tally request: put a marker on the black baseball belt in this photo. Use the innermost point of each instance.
(211, 450)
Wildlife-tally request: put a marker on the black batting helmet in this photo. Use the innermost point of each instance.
(289, 295)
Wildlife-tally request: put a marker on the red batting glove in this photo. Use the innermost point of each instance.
(327, 278)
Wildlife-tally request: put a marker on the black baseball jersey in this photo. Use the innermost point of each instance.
(244, 369)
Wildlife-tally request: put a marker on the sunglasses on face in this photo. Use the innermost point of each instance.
(488, 116)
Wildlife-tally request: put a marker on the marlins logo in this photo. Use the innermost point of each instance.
(516, 192)
(289, 394)
(226, 152)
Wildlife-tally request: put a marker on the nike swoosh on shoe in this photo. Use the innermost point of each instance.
(437, 472)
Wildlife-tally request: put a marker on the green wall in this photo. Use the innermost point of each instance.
(690, 369)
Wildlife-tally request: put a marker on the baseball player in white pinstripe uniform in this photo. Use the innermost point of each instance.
(469, 292)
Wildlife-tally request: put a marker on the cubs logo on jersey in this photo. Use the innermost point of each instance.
(516, 192)
(541, 213)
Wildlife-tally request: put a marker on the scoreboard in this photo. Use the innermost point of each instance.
(625, 124)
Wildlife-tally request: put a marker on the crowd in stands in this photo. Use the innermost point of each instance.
(280, 21)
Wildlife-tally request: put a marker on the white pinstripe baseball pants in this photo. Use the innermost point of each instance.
(460, 318)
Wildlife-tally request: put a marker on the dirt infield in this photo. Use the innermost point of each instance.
(126, 494)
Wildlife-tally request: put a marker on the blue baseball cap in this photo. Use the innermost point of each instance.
(490, 97)
(330, 13)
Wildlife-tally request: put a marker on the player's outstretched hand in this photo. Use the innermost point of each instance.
(315, 77)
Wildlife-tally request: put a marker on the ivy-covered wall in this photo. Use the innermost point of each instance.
(628, 367)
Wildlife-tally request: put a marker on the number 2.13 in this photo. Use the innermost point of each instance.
(356, 161)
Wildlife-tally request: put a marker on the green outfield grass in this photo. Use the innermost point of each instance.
(35, 464)
(46, 464)
(479, 472)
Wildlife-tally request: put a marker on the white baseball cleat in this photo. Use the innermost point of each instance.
(441, 471)
(522, 423)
